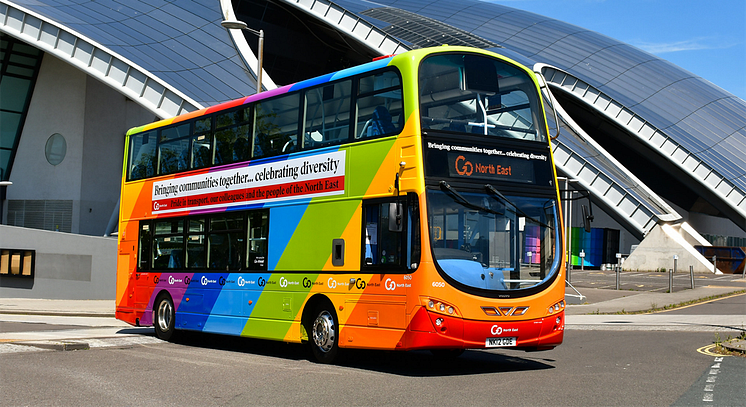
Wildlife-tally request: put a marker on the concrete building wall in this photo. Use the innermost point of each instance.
(68, 266)
(93, 118)
(57, 106)
(108, 116)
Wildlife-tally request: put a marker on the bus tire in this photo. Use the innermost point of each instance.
(324, 334)
(164, 317)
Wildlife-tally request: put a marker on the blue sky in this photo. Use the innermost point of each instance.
(707, 38)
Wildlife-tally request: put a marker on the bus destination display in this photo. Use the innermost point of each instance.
(475, 162)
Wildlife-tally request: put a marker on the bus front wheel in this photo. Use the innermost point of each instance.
(165, 316)
(324, 334)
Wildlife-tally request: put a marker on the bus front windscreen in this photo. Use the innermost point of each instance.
(490, 241)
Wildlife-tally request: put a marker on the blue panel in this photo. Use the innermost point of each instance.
(381, 63)
(312, 82)
(221, 324)
(282, 220)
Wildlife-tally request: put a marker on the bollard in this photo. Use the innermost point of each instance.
(691, 275)
(670, 280)
(670, 276)
(618, 272)
(714, 264)
(618, 268)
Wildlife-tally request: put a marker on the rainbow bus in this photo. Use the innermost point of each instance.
(407, 203)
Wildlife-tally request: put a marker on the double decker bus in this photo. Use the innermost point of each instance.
(407, 203)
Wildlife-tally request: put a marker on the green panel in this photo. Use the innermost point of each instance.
(363, 164)
(311, 244)
(266, 328)
(275, 310)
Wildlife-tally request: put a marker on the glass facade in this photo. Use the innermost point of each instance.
(182, 43)
(19, 66)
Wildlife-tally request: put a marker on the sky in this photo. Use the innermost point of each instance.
(705, 37)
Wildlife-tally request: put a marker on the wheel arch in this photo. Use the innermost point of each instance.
(308, 316)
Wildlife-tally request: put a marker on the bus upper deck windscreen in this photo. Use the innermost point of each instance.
(479, 95)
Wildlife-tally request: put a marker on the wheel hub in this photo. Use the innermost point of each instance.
(323, 331)
(164, 316)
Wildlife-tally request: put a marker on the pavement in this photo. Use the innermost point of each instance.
(78, 323)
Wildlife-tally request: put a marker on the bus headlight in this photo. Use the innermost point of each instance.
(556, 307)
(438, 306)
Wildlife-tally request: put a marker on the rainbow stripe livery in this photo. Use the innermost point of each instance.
(407, 203)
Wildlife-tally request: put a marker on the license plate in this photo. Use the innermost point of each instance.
(500, 342)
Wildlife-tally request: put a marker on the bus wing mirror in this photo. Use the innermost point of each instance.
(587, 218)
(395, 217)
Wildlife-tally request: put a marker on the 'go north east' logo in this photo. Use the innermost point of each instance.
(390, 284)
(464, 167)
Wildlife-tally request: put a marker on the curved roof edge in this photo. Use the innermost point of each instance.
(704, 175)
(248, 57)
(639, 215)
(351, 24)
(118, 72)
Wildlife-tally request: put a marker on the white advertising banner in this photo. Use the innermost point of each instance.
(302, 177)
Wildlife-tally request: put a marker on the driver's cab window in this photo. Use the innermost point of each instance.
(391, 234)
(382, 244)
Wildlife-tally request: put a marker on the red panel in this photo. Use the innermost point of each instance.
(424, 333)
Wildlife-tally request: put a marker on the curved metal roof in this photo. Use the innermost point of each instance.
(179, 45)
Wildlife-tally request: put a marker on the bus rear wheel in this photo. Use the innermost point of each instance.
(324, 338)
(164, 319)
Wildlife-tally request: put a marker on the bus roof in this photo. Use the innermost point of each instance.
(370, 66)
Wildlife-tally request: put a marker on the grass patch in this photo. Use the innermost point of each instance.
(654, 308)
(724, 350)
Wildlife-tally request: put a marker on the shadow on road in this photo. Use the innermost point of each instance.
(412, 363)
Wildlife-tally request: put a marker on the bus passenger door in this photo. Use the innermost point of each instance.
(379, 312)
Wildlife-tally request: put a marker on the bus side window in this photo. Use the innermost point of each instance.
(327, 115)
(142, 159)
(276, 126)
(258, 231)
(379, 105)
(144, 253)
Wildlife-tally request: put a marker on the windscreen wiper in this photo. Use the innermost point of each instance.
(447, 188)
(497, 194)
